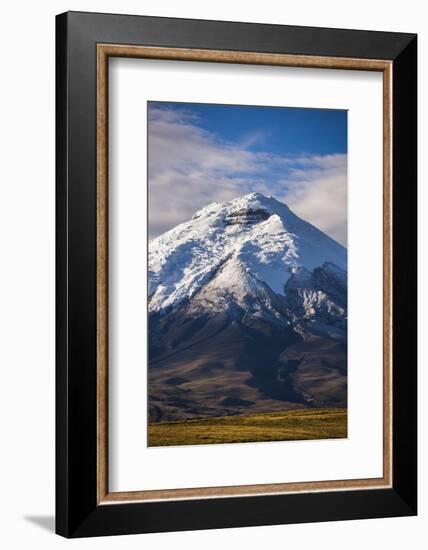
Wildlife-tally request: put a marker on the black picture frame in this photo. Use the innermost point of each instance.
(77, 511)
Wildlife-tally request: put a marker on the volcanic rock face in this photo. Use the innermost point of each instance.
(247, 313)
(247, 216)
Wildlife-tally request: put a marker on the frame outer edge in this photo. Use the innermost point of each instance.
(61, 268)
(405, 274)
(265, 37)
(72, 519)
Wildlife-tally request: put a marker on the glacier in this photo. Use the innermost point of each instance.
(254, 234)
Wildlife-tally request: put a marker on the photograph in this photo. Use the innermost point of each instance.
(247, 273)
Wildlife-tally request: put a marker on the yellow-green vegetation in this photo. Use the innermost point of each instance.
(278, 426)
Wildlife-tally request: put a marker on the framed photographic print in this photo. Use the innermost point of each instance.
(236, 274)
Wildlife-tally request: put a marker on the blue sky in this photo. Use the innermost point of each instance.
(279, 130)
(201, 153)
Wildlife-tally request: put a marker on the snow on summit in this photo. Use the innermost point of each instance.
(254, 239)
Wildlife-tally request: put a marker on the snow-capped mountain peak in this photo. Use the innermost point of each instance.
(250, 240)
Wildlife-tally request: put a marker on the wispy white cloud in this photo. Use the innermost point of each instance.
(190, 167)
(317, 192)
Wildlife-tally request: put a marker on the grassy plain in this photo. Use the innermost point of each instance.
(278, 426)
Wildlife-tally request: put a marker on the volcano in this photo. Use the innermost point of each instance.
(247, 313)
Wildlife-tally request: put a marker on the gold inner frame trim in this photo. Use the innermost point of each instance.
(104, 51)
